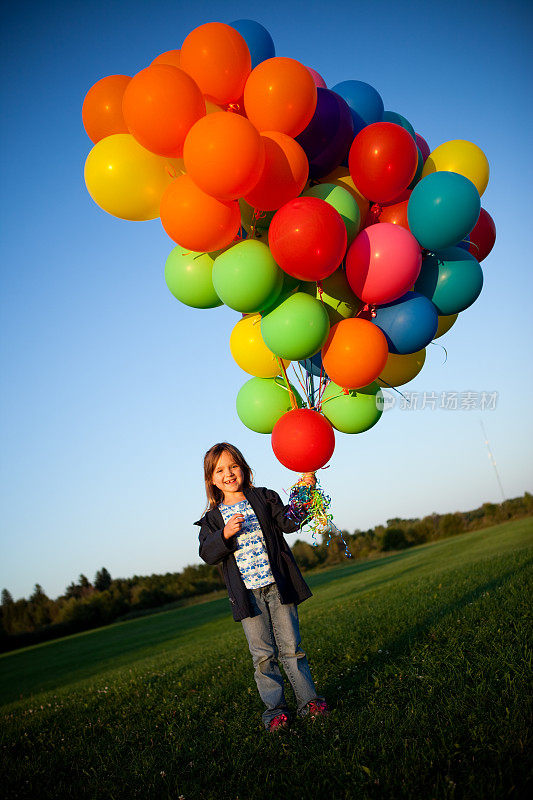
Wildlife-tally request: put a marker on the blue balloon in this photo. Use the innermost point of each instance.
(328, 137)
(364, 101)
(314, 365)
(443, 209)
(398, 119)
(257, 38)
(409, 324)
(452, 279)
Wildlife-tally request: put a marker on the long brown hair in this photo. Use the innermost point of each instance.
(214, 495)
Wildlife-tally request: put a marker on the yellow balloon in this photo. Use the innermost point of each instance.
(341, 177)
(249, 350)
(126, 180)
(460, 156)
(401, 369)
(445, 323)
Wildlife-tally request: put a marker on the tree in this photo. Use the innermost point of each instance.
(7, 598)
(102, 580)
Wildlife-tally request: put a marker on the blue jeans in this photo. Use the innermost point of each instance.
(274, 633)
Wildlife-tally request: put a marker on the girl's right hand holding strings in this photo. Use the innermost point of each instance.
(233, 526)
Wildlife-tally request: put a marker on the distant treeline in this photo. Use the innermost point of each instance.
(87, 605)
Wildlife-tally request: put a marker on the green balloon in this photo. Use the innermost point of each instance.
(354, 412)
(337, 295)
(189, 277)
(343, 202)
(246, 277)
(262, 401)
(296, 327)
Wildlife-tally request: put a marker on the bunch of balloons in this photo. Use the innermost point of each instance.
(323, 219)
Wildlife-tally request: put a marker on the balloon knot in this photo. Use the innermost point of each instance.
(233, 107)
(320, 290)
(346, 391)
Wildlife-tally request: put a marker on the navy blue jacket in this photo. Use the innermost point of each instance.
(272, 517)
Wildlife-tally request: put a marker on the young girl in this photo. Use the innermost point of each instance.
(243, 532)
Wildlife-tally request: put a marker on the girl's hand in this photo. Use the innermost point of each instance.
(233, 526)
(309, 478)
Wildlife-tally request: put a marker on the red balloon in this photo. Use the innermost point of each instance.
(383, 160)
(303, 440)
(307, 238)
(483, 236)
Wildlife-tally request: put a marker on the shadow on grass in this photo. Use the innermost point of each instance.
(401, 645)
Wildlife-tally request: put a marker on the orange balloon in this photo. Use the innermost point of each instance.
(280, 95)
(395, 212)
(102, 108)
(355, 353)
(284, 174)
(197, 221)
(171, 57)
(161, 103)
(341, 177)
(224, 155)
(218, 59)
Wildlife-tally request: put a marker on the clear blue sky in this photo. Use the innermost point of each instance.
(112, 391)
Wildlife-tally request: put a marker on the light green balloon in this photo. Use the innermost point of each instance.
(343, 202)
(296, 327)
(189, 277)
(262, 401)
(337, 294)
(246, 277)
(354, 412)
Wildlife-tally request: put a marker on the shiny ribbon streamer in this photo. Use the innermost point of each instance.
(313, 504)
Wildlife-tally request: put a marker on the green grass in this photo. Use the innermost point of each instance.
(423, 656)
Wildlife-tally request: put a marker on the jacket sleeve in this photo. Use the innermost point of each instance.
(213, 547)
(279, 512)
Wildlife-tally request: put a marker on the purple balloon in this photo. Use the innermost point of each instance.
(328, 137)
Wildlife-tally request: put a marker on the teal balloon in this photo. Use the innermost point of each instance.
(343, 202)
(442, 210)
(262, 401)
(398, 119)
(354, 412)
(296, 328)
(189, 277)
(451, 278)
(246, 277)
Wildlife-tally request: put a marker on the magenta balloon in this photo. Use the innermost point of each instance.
(383, 263)
(320, 83)
(423, 146)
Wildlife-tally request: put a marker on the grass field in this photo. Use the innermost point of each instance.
(423, 655)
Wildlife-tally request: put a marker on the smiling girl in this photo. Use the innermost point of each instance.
(243, 532)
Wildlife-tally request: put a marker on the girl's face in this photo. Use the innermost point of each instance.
(227, 475)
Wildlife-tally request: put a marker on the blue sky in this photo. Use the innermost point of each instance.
(112, 391)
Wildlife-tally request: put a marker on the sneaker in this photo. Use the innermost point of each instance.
(280, 722)
(317, 708)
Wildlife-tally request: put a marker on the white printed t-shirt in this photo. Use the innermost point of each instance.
(251, 554)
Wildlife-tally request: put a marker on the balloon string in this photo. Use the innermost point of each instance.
(394, 389)
(304, 389)
(437, 344)
(294, 404)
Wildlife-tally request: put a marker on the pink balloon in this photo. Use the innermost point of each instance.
(423, 146)
(383, 263)
(320, 83)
